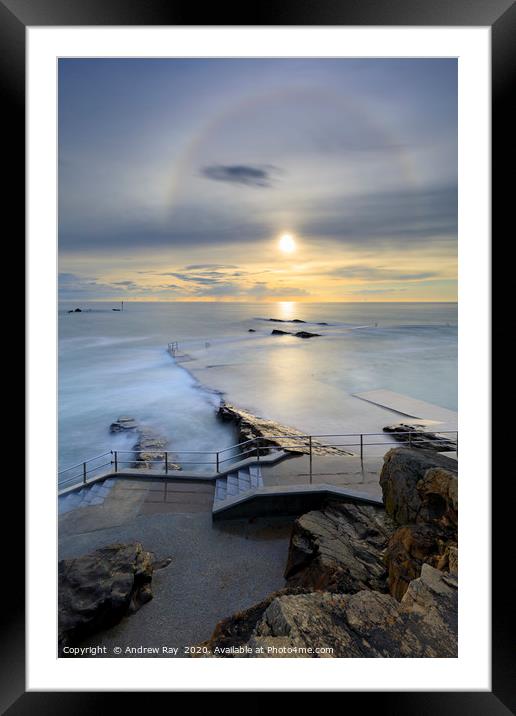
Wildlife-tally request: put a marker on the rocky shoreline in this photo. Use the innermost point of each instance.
(251, 427)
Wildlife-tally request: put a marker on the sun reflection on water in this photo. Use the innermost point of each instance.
(287, 310)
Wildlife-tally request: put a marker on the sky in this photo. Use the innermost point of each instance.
(178, 178)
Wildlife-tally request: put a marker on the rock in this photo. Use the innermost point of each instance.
(412, 546)
(322, 323)
(402, 469)
(98, 589)
(339, 549)
(250, 427)
(123, 423)
(236, 630)
(430, 504)
(283, 320)
(150, 449)
(251, 330)
(419, 438)
(299, 334)
(438, 492)
(364, 624)
(306, 334)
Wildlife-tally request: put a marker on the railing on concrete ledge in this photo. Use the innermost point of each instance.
(254, 449)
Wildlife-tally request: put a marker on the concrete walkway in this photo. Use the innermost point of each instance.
(418, 410)
(216, 570)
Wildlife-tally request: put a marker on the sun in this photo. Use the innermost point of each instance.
(287, 244)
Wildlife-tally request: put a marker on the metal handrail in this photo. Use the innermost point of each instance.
(80, 464)
(256, 445)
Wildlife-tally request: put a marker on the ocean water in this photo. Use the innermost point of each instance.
(116, 363)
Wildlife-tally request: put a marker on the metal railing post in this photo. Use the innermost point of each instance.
(361, 447)
(217, 460)
(310, 446)
(258, 449)
(116, 460)
(410, 438)
(166, 462)
(84, 472)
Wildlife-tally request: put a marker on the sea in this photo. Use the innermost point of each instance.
(114, 363)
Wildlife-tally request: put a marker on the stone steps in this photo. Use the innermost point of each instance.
(86, 496)
(236, 484)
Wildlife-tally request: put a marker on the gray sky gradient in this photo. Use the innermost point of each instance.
(178, 164)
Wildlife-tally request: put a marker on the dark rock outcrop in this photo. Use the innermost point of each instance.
(284, 320)
(150, 446)
(339, 549)
(123, 423)
(307, 334)
(418, 437)
(402, 469)
(299, 334)
(98, 589)
(251, 426)
(251, 330)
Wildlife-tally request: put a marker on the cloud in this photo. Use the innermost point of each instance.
(404, 218)
(245, 174)
(374, 273)
(198, 267)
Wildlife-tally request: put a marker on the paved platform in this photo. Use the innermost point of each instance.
(418, 410)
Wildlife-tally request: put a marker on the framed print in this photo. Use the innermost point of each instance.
(258, 283)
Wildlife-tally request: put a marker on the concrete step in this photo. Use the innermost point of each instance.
(220, 489)
(232, 488)
(86, 496)
(255, 474)
(244, 480)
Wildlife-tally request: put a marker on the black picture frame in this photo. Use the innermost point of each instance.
(500, 15)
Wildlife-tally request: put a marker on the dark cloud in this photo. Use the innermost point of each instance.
(246, 174)
(199, 267)
(400, 218)
(373, 273)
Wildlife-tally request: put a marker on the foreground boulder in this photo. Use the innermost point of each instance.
(419, 488)
(402, 469)
(410, 548)
(340, 549)
(438, 492)
(364, 624)
(98, 589)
